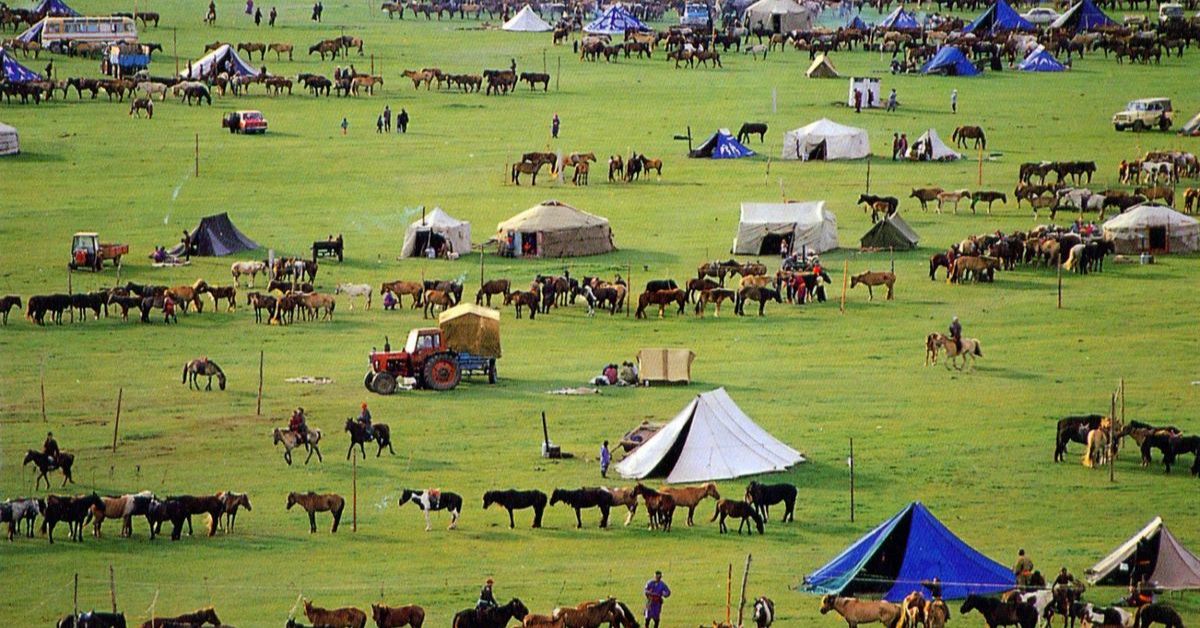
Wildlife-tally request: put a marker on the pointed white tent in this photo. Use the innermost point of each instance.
(711, 439)
(838, 141)
(456, 233)
(527, 21)
(940, 151)
(1153, 550)
(224, 59)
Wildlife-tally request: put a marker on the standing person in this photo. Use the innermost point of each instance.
(402, 121)
(554, 127)
(50, 70)
(249, 7)
(857, 101)
(212, 11)
(895, 145)
(387, 119)
(903, 145)
(271, 18)
(487, 599)
(954, 100)
(316, 12)
(345, 125)
(187, 245)
(258, 16)
(891, 102)
(656, 591)
(379, 124)
(1024, 566)
(605, 459)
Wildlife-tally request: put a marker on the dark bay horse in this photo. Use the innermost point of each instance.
(359, 435)
(586, 497)
(1074, 429)
(73, 510)
(498, 617)
(512, 499)
(660, 507)
(397, 616)
(998, 613)
(198, 618)
(736, 509)
(171, 510)
(763, 496)
(45, 466)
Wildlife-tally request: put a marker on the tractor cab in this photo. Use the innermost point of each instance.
(423, 340)
(84, 246)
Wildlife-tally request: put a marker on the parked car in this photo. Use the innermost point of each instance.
(1145, 113)
(1041, 15)
(244, 122)
(1170, 11)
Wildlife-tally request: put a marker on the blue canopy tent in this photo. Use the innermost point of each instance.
(15, 72)
(899, 19)
(895, 557)
(55, 8)
(1040, 60)
(721, 145)
(33, 33)
(999, 18)
(858, 23)
(1084, 16)
(950, 61)
(615, 21)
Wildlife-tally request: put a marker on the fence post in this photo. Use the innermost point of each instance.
(261, 358)
(117, 422)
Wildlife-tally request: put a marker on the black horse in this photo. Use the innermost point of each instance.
(512, 499)
(870, 200)
(166, 510)
(998, 613)
(1158, 613)
(763, 496)
(759, 128)
(497, 617)
(93, 619)
(586, 497)
(45, 465)
(1074, 429)
(654, 285)
(1172, 445)
(936, 261)
(359, 435)
(73, 510)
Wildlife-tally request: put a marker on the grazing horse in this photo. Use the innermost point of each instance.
(856, 611)
(492, 617)
(513, 499)
(661, 298)
(763, 496)
(521, 299)
(433, 500)
(62, 461)
(871, 279)
(690, 496)
(585, 497)
(202, 366)
(760, 128)
(291, 440)
(764, 612)
(313, 503)
(998, 613)
(660, 507)
(1158, 613)
(1074, 428)
(964, 133)
(936, 261)
(348, 617)
(936, 342)
(738, 510)
(73, 510)
(397, 616)
(492, 287)
(587, 614)
(199, 618)
(359, 435)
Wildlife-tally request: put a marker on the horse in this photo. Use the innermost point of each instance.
(964, 133)
(63, 461)
(762, 294)
(581, 174)
(1171, 445)
(998, 613)
(397, 616)
(715, 296)
(951, 196)
(691, 496)
(978, 267)
(660, 507)
(7, 303)
(624, 497)
(23, 511)
(1158, 613)
(1073, 428)
(138, 105)
(533, 78)
(280, 48)
(743, 134)
(116, 507)
(199, 618)
(526, 299)
(587, 614)
(355, 290)
(313, 503)
(764, 612)
(763, 496)
(359, 435)
(229, 293)
(856, 611)
(291, 440)
(513, 499)
(988, 197)
(415, 289)
(261, 303)
(738, 510)
(525, 167)
(202, 366)
(661, 298)
(492, 617)
(936, 261)
(871, 279)
(924, 195)
(93, 619)
(435, 299)
(232, 502)
(73, 510)
(434, 500)
(238, 269)
(492, 287)
(159, 511)
(616, 169)
(585, 497)
(348, 617)
(890, 204)
(935, 342)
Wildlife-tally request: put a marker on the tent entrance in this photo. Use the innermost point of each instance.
(776, 23)
(425, 239)
(878, 576)
(818, 152)
(529, 243)
(772, 241)
(1158, 238)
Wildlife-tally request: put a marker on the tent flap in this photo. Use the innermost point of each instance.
(665, 365)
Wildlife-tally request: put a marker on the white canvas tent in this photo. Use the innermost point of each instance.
(870, 91)
(763, 226)
(527, 21)
(780, 16)
(940, 151)
(711, 439)
(1153, 228)
(224, 59)
(10, 142)
(826, 139)
(433, 229)
(1153, 551)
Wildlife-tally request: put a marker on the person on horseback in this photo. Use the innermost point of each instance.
(956, 334)
(299, 425)
(1024, 566)
(486, 598)
(50, 449)
(364, 418)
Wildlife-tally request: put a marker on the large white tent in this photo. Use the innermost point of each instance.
(1153, 552)
(937, 151)
(1153, 228)
(433, 229)
(826, 139)
(780, 16)
(10, 142)
(527, 21)
(763, 226)
(711, 439)
(223, 59)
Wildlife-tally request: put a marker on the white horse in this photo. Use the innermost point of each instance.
(150, 88)
(26, 510)
(935, 343)
(291, 440)
(247, 268)
(355, 290)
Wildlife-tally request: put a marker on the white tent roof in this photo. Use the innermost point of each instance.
(527, 21)
(841, 141)
(793, 15)
(456, 232)
(941, 152)
(201, 66)
(10, 143)
(809, 224)
(721, 443)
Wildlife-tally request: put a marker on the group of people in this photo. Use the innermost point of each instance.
(656, 590)
(1141, 590)
(611, 375)
(298, 424)
(383, 124)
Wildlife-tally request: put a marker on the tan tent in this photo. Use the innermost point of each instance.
(1153, 228)
(821, 67)
(471, 328)
(780, 16)
(665, 365)
(554, 229)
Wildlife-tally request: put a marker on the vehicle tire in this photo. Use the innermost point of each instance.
(1118, 127)
(492, 371)
(1139, 126)
(441, 372)
(368, 379)
(383, 383)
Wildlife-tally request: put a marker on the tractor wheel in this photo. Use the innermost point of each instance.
(383, 383)
(367, 380)
(492, 371)
(441, 372)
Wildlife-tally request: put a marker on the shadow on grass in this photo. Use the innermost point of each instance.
(35, 158)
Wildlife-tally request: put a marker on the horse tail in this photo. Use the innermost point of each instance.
(185, 370)
(716, 513)
(978, 349)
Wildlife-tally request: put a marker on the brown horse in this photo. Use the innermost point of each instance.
(871, 279)
(45, 465)
(964, 133)
(856, 611)
(661, 298)
(492, 287)
(252, 47)
(348, 617)
(624, 497)
(525, 167)
(924, 195)
(691, 496)
(202, 366)
(313, 503)
(413, 288)
(198, 618)
(397, 616)
(660, 507)
(715, 297)
(737, 509)
(527, 299)
(233, 501)
(279, 49)
(587, 614)
(229, 293)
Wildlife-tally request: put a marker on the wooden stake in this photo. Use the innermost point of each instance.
(261, 359)
(728, 593)
(851, 480)
(76, 596)
(868, 174)
(117, 422)
(1057, 262)
(175, 48)
(980, 181)
(43, 379)
(845, 284)
(197, 169)
(629, 292)
(745, 579)
(1111, 436)
(354, 496)
(558, 74)
(71, 290)
(481, 267)
(112, 588)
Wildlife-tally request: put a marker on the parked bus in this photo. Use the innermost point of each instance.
(109, 30)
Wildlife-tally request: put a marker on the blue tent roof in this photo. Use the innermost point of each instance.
(1040, 60)
(910, 547)
(900, 19)
(998, 18)
(950, 61)
(55, 8)
(858, 23)
(15, 72)
(721, 145)
(1084, 16)
(33, 33)
(615, 21)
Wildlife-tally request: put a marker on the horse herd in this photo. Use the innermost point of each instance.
(1023, 609)
(619, 169)
(1102, 436)
(979, 257)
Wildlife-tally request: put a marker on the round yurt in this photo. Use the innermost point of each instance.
(1154, 229)
(554, 229)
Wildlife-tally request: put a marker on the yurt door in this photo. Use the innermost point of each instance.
(1158, 238)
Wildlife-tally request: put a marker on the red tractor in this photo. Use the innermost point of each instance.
(427, 361)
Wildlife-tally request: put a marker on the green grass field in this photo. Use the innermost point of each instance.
(974, 447)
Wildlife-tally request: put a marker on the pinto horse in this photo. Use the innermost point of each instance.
(348, 617)
(691, 496)
(497, 617)
(585, 497)
(397, 616)
(291, 440)
(513, 499)
(62, 461)
(433, 500)
(736, 509)
(998, 613)
(763, 496)
(764, 612)
(359, 435)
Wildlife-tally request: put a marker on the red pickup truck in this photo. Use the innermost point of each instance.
(244, 122)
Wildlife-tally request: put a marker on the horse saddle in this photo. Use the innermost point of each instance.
(435, 495)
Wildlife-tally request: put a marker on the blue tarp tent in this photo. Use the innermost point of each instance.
(895, 557)
(999, 18)
(1040, 60)
(1084, 16)
(899, 19)
(950, 61)
(615, 21)
(15, 72)
(33, 33)
(858, 23)
(55, 8)
(721, 145)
